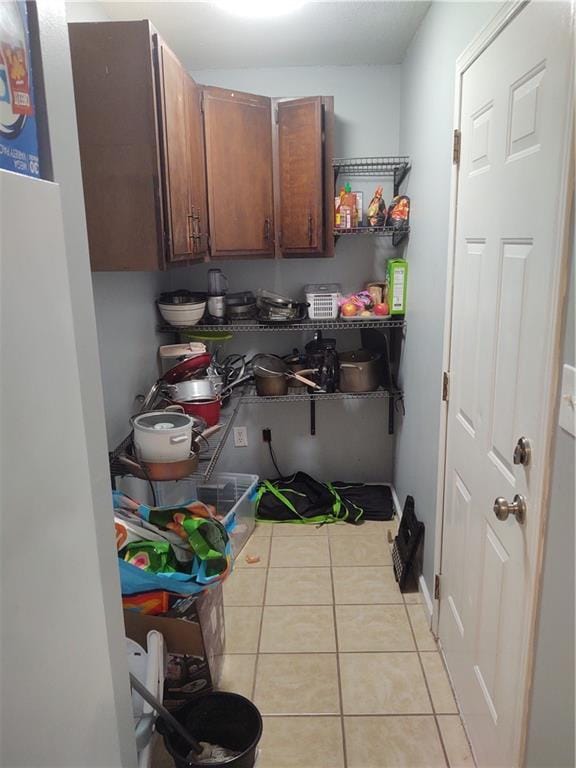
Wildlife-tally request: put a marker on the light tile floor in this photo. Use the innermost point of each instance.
(342, 666)
(345, 672)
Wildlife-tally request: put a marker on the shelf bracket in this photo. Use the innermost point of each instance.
(400, 173)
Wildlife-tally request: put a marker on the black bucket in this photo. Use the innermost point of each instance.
(226, 719)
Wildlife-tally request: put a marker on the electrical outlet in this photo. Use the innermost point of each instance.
(267, 435)
(240, 437)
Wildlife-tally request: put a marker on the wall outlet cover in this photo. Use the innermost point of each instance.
(240, 437)
(567, 413)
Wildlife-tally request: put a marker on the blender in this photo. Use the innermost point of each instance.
(217, 288)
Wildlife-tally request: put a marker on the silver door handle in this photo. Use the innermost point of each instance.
(503, 508)
(523, 451)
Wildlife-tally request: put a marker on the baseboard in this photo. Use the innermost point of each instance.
(428, 604)
(396, 503)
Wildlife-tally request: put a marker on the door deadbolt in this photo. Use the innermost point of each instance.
(523, 451)
(503, 509)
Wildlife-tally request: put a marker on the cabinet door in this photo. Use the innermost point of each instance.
(300, 175)
(174, 97)
(115, 93)
(196, 169)
(238, 132)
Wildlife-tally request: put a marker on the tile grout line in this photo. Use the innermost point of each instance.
(338, 675)
(439, 732)
(458, 713)
(269, 554)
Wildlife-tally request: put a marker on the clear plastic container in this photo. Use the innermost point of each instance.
(232, 494)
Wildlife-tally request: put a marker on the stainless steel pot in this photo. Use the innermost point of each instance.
(188, 390)
(359, 371)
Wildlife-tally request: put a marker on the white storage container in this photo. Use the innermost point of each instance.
(323, 300)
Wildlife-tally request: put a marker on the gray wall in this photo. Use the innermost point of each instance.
(126, 320)
(426, 123)
(75, 557)
(551, 733)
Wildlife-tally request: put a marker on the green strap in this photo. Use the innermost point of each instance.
(198, 543)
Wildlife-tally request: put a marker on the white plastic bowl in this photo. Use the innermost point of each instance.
(182, 314)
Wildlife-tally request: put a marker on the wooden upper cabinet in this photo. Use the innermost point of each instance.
(238, 130)
(197, 167)
(184, 164)
(300, 175)
(115, 92)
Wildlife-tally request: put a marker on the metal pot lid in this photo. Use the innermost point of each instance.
(192, 367)
(159, 421)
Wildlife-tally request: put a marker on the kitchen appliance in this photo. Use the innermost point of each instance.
(322, 357)
(359, 371)
(162, 435)
(217, 289)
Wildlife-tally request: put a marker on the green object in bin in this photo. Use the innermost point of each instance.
(151, 556)
(216, 336)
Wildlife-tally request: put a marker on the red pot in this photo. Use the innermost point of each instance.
(190, 368)
(207, 408)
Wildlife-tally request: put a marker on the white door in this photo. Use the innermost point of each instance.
(514, 111)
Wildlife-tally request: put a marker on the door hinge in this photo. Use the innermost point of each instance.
(276, 118)
(202, 102)
(445, 386)
(456, 147)
(436, 587)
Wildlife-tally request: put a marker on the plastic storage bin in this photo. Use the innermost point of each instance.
(233, 495)
(323, 300)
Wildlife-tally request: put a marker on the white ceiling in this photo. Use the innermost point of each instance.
(323, 32)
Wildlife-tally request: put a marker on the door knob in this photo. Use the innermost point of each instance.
(503, 508)
(523, 451)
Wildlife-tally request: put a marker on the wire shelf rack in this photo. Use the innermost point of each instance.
(339, 324)
(397, 235)
(210, 450)
(396, 166)
(295, 396)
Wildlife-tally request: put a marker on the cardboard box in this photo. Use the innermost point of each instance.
(193, 631)
(397, 278)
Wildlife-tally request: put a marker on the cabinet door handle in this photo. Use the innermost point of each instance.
(310, 229)
(267, 229)
(192, 230)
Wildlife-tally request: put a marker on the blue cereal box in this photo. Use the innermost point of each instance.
(18, 135)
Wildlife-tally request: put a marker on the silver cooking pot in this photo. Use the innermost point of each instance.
(359, 371)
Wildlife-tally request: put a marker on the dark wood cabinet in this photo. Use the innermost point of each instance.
(175, 172)
(184, 160)
(238, 130)
(300, 176)
(115, 91)
(141, 147)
